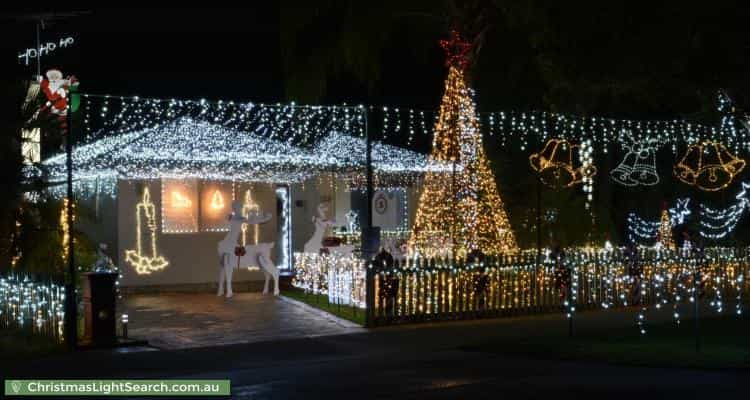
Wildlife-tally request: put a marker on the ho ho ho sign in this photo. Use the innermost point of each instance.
(44, 49)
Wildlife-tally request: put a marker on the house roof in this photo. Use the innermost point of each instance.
(188, 148)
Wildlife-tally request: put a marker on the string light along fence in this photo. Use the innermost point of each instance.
(438, 289)
(32, 305)
(428, 290)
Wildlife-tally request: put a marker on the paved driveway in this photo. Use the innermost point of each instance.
(178, 321)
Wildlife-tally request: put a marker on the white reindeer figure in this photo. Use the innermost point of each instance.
(258, 255)
(315, 244)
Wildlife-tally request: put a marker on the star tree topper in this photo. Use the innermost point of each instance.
(456, 48)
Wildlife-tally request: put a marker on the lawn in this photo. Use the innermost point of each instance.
(724, 343)
(320, 301)
(18, 344)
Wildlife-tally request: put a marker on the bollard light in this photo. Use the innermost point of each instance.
(124, 320)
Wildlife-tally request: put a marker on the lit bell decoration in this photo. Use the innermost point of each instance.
(708, 166)
(638, 167)
(555, 164)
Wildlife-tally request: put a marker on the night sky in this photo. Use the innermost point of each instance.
(616, 59)
(230, 54)
(163, 53)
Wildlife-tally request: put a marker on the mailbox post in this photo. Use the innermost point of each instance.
(99, 302)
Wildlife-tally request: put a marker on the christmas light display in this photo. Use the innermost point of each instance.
(555, 164)
(717, 224)
(638, 166)
(217, 201)
(461, 210)
(641, 231)
(57, 91)
(403, 207)
(456, 49)
(36, 307)
(179, 205)
(708, 166)
(250, 208)
(209, 151)
(282, 195)
(431, 289)
(525, 128)
(666, 241)
(342, 278)
(145, 258)
(587, 166)
(64, 228)
(44, 49)
(291, 123)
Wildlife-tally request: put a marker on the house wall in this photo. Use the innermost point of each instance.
(192, 257)
(306, 198)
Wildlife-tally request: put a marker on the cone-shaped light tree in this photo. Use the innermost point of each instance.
(665, 231)
(459, 210)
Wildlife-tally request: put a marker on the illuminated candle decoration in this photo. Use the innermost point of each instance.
(179, 205)
(145, 257)
(250, 207)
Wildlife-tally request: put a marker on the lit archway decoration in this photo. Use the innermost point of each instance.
(145, 263)
(555, 164)
(708, 166)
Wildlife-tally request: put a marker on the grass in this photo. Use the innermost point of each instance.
(319, 301)
(723, 344)
(16, 344)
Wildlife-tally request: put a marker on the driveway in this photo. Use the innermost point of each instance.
(179, 321)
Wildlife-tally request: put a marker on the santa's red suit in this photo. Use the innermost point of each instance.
(55, 88)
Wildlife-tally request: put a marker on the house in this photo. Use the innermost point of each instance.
(160, 195)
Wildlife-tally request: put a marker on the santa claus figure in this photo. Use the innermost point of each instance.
(56, 88)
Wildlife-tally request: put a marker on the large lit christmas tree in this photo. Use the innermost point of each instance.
(460, 210)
